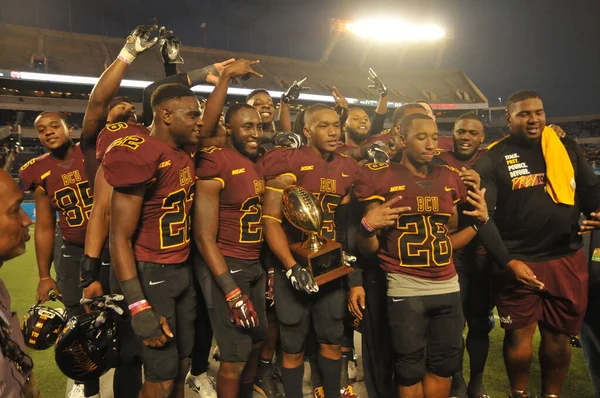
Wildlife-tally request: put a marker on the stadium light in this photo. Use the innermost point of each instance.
(390, 30)
(206, 89)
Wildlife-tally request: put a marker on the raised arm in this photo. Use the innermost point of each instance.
(382, 108)
(104, 91)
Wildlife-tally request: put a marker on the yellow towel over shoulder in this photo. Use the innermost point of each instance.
(560, 176)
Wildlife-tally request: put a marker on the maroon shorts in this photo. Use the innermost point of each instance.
(560, 306)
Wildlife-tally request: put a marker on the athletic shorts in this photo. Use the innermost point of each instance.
(560, 307)
(295, 310)
(235, 344)
(68, 270)
(169, 289)
(474, 271)
(426, 335)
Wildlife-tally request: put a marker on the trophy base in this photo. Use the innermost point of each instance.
(325, 263)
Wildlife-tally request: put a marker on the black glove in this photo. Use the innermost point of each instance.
(374, 153)
(293, 92)
(169, 46)
(287, 140)
(301, 279)
(146, 324)
(90, 270)
(377, 83)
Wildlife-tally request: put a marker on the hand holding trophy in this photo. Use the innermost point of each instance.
(321, 256)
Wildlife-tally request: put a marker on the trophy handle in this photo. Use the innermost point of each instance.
(313, 242)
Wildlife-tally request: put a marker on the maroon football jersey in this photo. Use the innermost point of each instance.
(329, 180)
(446, 157)
(67, 187)
(115, 131)
(162, 235)
(240, 201)
(419, 245)
(384, 137)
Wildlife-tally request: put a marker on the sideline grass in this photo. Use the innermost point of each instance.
(20, 276)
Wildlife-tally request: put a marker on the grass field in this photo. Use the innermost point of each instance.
(20, 276)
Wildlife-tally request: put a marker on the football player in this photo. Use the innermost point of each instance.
(261, 100)
(228, 233)
(472, 263)
(59, 185)
(318, 168)
(411, 204)
(153, 181)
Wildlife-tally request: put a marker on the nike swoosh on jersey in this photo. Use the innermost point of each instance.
(103, 263)
(448, 189)
(397, 300)
(155, 283)
(67, 256)
(235, 271)
(345, 175)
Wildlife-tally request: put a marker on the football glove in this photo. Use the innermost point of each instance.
(90, 269)
(169, 46)
(287, 140)
(377, 84)
(101, 303)
(138, 42)
(301, 279)
(242, 312)
(375, 153)
(146, 324)
(270, 283)
(293, 92)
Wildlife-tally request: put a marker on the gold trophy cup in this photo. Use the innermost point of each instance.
(323, 257)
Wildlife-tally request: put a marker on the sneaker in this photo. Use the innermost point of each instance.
(352, 371)
(348, 392)
(265, 386)
(76, 391)
(204, 385)
(318, 392)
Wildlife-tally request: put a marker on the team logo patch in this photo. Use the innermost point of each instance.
(307, 168)
(45, 175)
(238, 171)
(377, 166)
(164, 164)
(398, 188)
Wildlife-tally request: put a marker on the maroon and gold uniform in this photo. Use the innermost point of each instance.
(447, 157)
(329, 181)
(240, 210)
(114, 131)
(163, 232)
(67, 187)
(419, 245)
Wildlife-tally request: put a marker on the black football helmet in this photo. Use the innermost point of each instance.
(42, 325)
(87, 347)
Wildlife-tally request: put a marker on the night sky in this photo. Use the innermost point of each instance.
(552, 46)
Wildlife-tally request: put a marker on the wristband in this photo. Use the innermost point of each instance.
(126, 56)
(45, 278)
(198, 76)
(480, 223)
(226, 283)
(138, 307)
(366, 225)
(233, 295)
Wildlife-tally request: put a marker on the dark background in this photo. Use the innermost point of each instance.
(552, 46)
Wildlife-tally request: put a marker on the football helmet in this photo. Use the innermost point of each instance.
(42, 325)
(87, 347)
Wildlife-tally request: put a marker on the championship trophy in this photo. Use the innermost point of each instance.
(321, 256)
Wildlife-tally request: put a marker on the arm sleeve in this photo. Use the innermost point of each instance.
(147, 113)
(126, 167)
(342, 214)
(377, 123)
(489, 234)
(586, 182)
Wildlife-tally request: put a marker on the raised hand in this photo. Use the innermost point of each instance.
(377, 84)
(242, 68)
(169, 46)
(382, 215)
(138, 42)
(293, 92)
